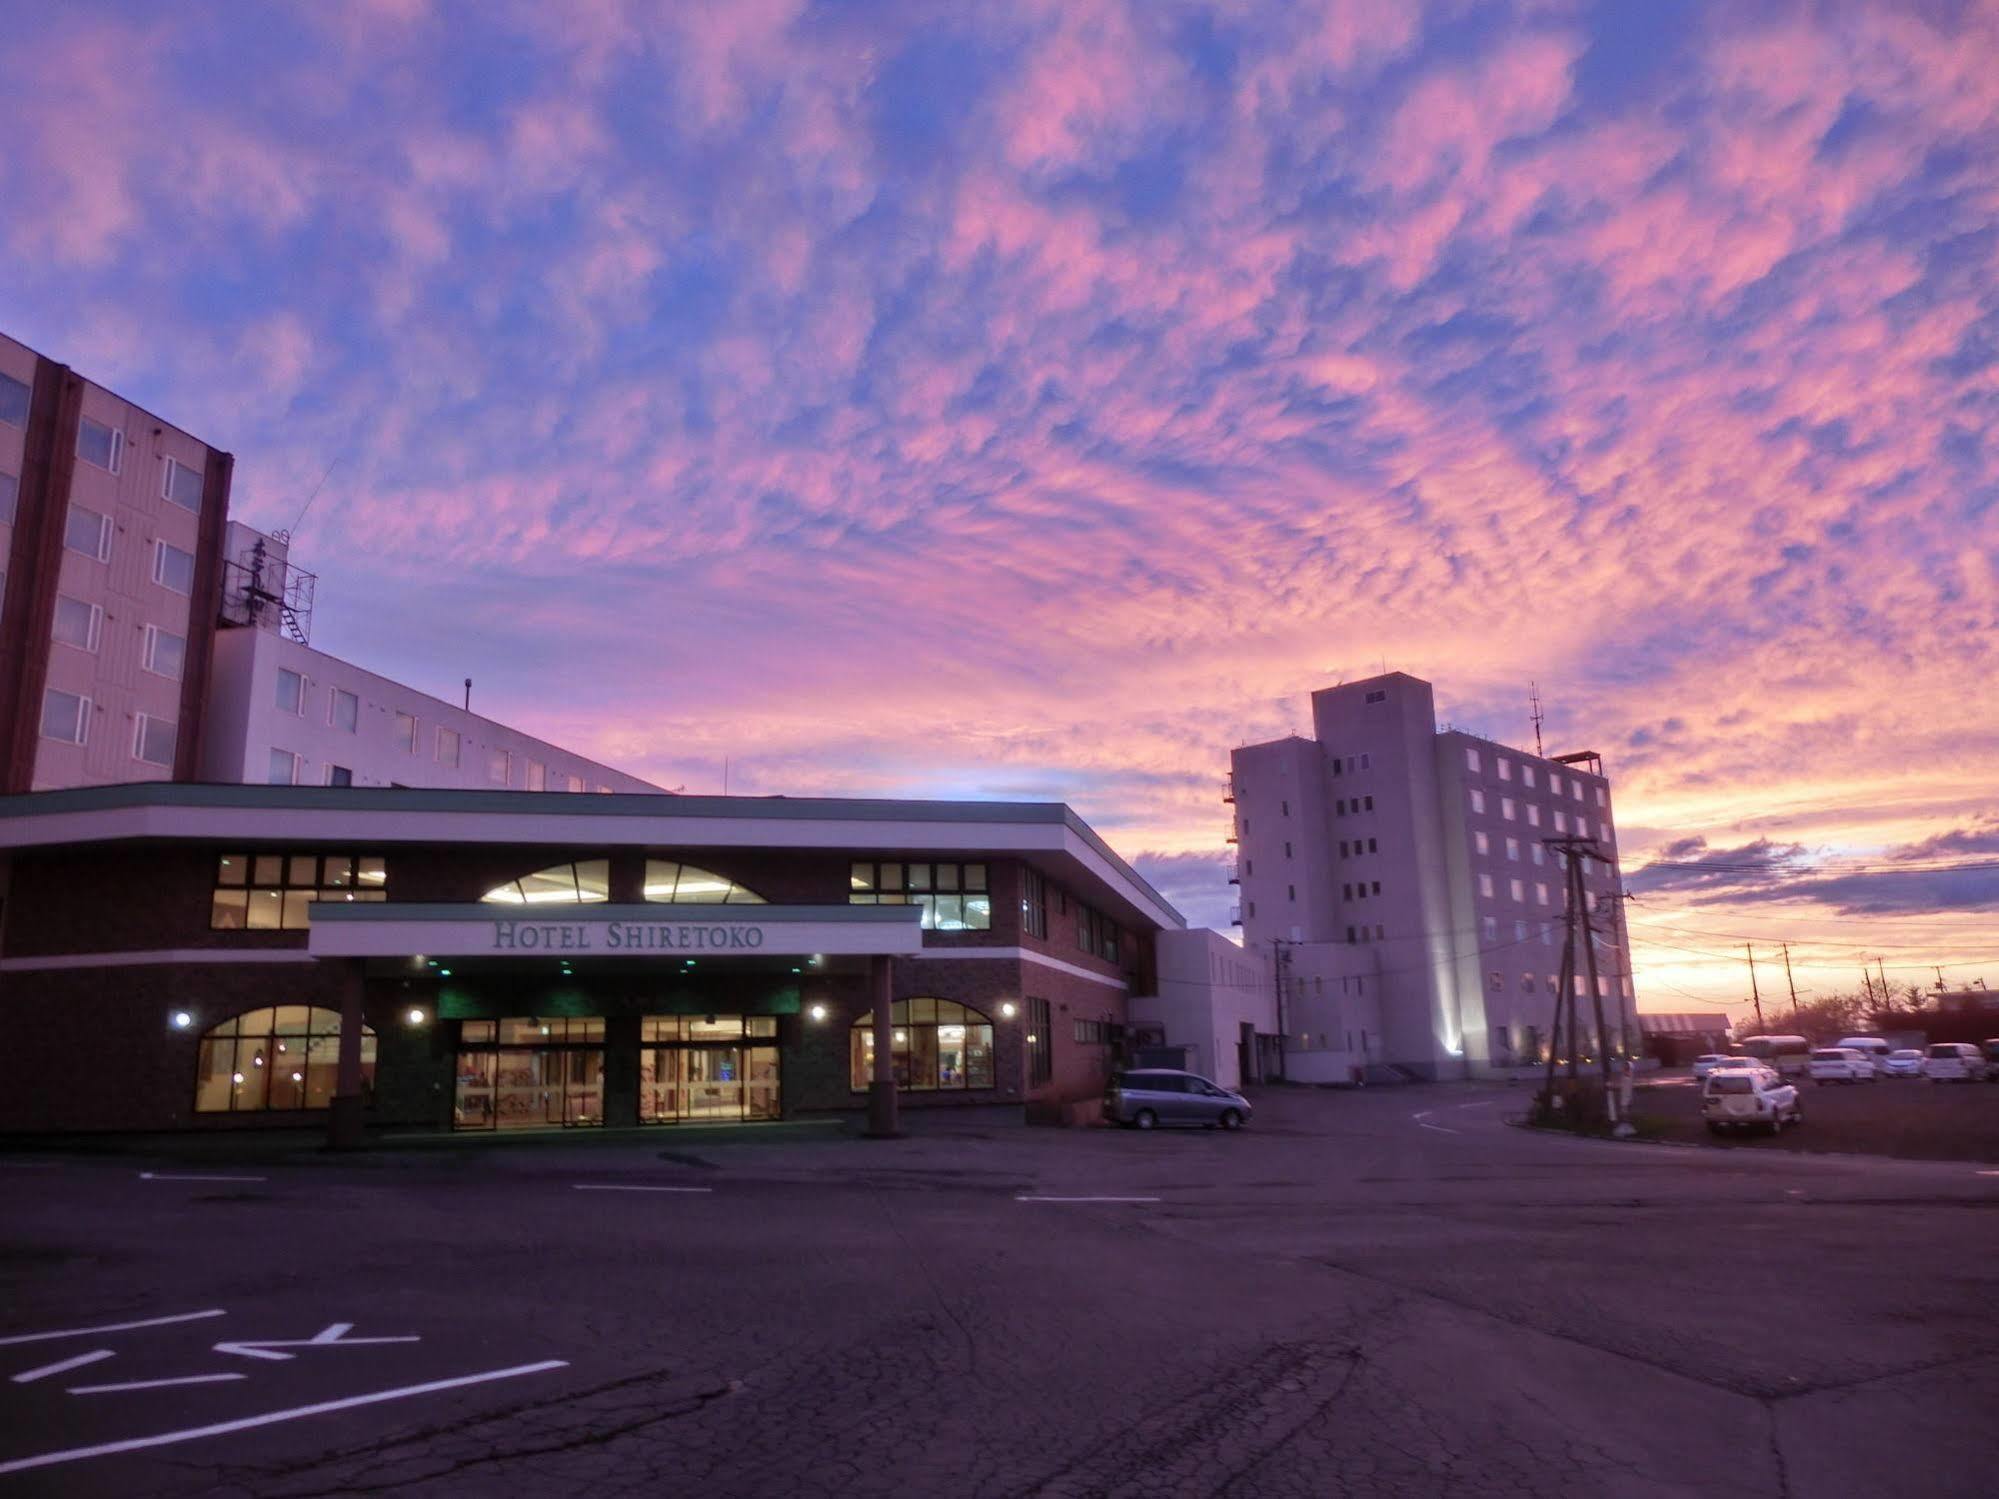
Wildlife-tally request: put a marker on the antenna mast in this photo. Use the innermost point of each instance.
(1534, 698)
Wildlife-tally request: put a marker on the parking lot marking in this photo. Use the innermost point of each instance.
(158, 1176)
(1086, 1199)
(616, 1187)
(272, 1418)
(1423, 1119)
(61, 1368)
(152, 1384)
(1989, 1173)
(85, 1332)
(333, 1335)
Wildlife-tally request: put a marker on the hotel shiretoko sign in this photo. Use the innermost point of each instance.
(513, 935)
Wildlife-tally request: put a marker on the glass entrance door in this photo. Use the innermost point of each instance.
(712, 1069)
(503, 1084)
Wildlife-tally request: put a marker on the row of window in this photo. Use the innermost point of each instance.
(81, 626)
(1495, 981)
(1510, 810)
(1358, 846)
(66, 719)
(1516, 890)
(275, 892)
(1503, 767)
(1093, 1033)
(953, 897)
(285, 1057)
(88, 532)
(1353, 763)
(936, 1045)
(1359, 890)
(1359, 934)
(1346, 805)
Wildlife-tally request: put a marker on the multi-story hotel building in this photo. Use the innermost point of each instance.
(111, 525)
(1401, 879)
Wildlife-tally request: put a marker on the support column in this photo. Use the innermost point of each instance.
(882, 1121)
(344, 1127)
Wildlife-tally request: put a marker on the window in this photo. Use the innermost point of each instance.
(1378, 696)
(1287, 850)
(1495, 981)
(1561, 821)
(181, 484)
(537, 776)
(65, 717)
(447, 748)
(1533, 814)
(1488, 928)
(77, 623)
(343, 711)
(586, 882)
(274, 892)
(1482, 843)
(1504, 766)
(1284, 808)
(1540, 893)
(1366, 762)
(173, 568)
(1519, 931)
(1346, 892)
(153, 740)
(1040, 1044)
(1485, 886)
(1376, 887)
(1477, 799)
(86, 531)
(499, 766)
(1536, 852)
(1293, 889)
(1033, 903)
(13, 402)
(99, 444)
(1513, 849)
(1471, 760)
(1370, 803)
(10, 495)
(1096, 933)
(406, 732)
(291, 692)
(1098, 1032)
(1517, 889)
(683, 885)
(1554, 783)
(339, 775)
(572, 783)
(1576, 790)
(1351, 938)
(282, 1058)
(1602, 797)
(1582, 826)
(954, 897)
(1527, 775)
(1526, 983)
(1343, 848)
(938, 1044)
(164, 652)
(1372, 847)
(1506, 808)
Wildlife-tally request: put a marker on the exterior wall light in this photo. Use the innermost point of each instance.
(817, 1012)
(1008, 1010)
(182, 1020)
(416, 1017)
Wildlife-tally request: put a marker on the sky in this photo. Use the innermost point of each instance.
(1037, 400)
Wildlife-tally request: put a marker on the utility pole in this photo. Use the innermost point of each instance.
(1939, 978)
(1885, 998)
(1576, 918)
(1792, 982)
(1755, 995)
(1867, 982)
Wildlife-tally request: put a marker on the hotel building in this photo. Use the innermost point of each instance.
(500, 960)
(1400, 878)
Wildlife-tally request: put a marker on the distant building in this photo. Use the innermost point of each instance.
(1676, 1039)
(1217, 1002)
(111, 527)
(1413, 863)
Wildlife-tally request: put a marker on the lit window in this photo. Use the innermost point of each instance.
(1602, 797)
(1482, 843)
(181, 484)
(165, 653)
(275, 892)
(1527, 775)
(1513, 849)
(669, 883)
(1535, 850)
(13, 401)
(499, 766)
(572, 782)
(1485, 886)
(291, 692)
(173, 568)
(87, 532)
(537, 776)
(586, 882)
(99, 444)
(1534, 814)
(77, 623)
(1561, 821)
(153, 740)
(1506, 808)
(1540, 893)
(282, 1058)
(938, 1044)
(1517, 889)
(1477, 799)
(1471, 760)
(954, 897)
(1576, 790)
(65, 717)
(343, 711)
(1505, 767)
(1554, 783)
(447, 747)
(1488, 928)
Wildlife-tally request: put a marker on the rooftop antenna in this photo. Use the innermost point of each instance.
(468, 694)
(1534, 698)
(313, 496)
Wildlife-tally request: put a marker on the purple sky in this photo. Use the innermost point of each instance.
(1035, 400)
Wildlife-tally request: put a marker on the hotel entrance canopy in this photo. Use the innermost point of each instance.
(662, 933)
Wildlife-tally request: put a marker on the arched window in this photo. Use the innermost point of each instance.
(583, 883)
(939, 1044)
(684, 885)
(285, 1057)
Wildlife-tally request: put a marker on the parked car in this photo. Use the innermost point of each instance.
(1954, 1062)
(1737, 1098)
(1876, 1048)
(1713, 1062)
(1908, 1062)
(1992, 1060)
(1151, 1097)
(1841, 1064)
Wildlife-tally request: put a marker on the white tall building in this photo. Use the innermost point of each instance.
(1401, 880)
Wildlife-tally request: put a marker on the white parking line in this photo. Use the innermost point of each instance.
(1483, 1103)
(156, 1176)
(152, 1384)
(1086, 1199)
(1422, 1119)
(615, 1187)
(61, 1368)
(271, 1418)
(1989, 1173)
(84, 1332)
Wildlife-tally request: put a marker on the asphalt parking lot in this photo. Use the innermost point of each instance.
(1904, 1117)
(1388, 1292)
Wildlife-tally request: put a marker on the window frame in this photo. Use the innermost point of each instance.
(297, 761)
(456, 740)
(333, 697)
(907, 1018)
(169, 466)
(102, 551)
(149, 653)
(904, 887)
(93, 624)
(140, 723)
(116, 438)
(1040, 1043)
(315, 1030)
(161, 547)
(294, 897)
(9, 384)
(84, 706)
(1033, 902)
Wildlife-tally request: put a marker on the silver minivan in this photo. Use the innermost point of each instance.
(1154, 1097)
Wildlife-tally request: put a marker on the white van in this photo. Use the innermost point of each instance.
(1877, 1050)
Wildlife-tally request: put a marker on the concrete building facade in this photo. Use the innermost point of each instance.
(1218, 1001)
(1425, 856)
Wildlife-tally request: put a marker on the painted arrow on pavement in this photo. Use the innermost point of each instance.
(332, 1336)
